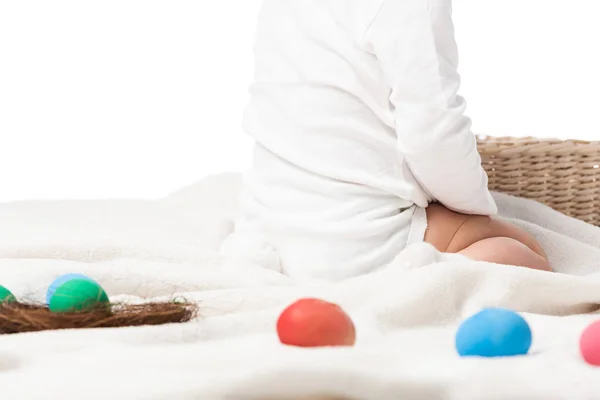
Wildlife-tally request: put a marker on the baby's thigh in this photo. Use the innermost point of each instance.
(452, 232)
(507, 251)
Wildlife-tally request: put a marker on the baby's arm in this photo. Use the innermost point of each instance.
(414, 43)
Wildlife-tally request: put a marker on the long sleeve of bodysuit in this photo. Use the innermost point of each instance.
(414, 43)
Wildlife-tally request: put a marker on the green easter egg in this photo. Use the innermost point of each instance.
(6, 296)
(77, 295)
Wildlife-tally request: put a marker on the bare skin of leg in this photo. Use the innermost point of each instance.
(483, 238)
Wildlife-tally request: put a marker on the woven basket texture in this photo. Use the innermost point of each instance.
(563, 174)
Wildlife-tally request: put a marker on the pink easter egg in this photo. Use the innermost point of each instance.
(589, 344)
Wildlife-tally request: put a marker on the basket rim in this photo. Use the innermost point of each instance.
(510, 146)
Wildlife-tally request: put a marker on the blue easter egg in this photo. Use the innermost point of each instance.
(494, 332)
(60, 280)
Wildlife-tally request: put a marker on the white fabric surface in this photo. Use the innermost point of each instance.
(356, 114)
(405, 315)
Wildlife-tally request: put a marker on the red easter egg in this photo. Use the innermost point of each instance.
(315, 323)
(589, 344)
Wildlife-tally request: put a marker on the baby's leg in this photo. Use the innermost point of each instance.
(503, 250)
(483, 239)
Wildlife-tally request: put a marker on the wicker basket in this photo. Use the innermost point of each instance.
(565, 175)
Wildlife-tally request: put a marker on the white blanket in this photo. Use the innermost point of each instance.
(406, 316)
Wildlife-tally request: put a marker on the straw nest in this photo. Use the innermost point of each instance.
(20, 317)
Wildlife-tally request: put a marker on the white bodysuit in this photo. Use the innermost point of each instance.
(358, 127)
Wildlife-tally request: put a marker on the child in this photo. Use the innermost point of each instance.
(362, 142)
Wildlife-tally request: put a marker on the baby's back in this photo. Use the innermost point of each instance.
(327, 187)
(318, 99)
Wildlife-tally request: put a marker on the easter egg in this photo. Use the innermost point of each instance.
(77, 295)
(494, 332)
(589, 344)
(59, 281)
(315, 323)
(6, 296)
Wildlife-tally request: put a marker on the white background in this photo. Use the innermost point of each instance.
(136, 98)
